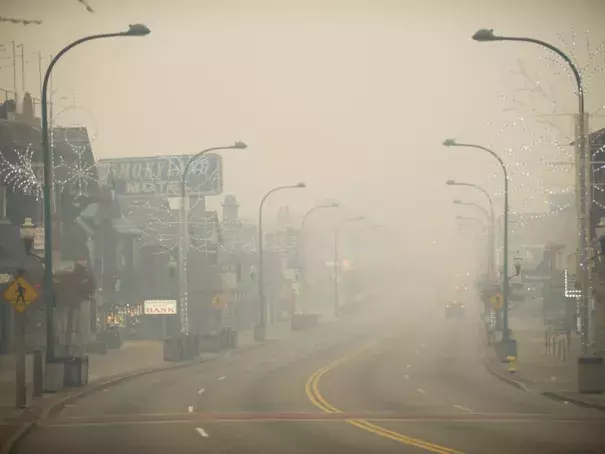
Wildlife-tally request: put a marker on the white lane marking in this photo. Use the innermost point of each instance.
(408, 366)
(460, 407)
(222, 378)
(201, 431)
(190, 408)
(105, 390)
(200, 391)
(421, 391)
(407, 377)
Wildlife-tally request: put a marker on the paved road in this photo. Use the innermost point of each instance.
(370, 383)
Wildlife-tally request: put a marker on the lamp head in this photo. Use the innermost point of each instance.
(301, 185)
(137, 30)
(27, 233)
(449, 143)
(240, 145)
(517, 261)
(450, 182)
(485, 35)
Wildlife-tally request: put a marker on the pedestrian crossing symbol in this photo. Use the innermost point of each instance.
(496, 301)
(219, 301)
(20, 294)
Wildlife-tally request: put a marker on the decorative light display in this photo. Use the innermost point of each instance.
(23, 175)
(537, 144)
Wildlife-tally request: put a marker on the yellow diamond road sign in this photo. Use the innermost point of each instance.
(496, 301)
(219, 301)
(20, 294)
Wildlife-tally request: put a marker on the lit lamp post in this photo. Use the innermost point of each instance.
(260, 332)
(303, 268)
(509, 345)
(337, 260)
(492, 247)
(583, 175)
(183, 247)
(133, 30)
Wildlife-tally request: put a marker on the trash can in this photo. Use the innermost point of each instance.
(591, 375)
(53, 381)
(75, 370)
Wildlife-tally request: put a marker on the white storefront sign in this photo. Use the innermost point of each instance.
(159, 307)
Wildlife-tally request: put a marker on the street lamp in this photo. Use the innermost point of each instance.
(505, 287)
(260, 332)
(303, 268)
(492, 248)
(27, 233)
(583, 175)
(183, 247)
(133, 30)
(337, 259)
(517, 261)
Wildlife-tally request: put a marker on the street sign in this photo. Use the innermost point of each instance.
(20, 294)
(219, 301)
(5, 278)
(496, 301)
(159, 307)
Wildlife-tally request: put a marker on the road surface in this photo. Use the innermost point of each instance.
(376, 382)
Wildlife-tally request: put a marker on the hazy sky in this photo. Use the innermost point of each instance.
(352, 97)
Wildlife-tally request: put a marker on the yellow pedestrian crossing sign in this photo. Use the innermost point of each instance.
(496, 301)
(219, 301)
(20, 294)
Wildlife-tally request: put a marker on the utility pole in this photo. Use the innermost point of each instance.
(40, 70)
(15, 71)
(22, 67)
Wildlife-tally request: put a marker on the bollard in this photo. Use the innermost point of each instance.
(38, 379)
(512, 364)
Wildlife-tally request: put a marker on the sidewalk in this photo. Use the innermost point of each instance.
(545, 373)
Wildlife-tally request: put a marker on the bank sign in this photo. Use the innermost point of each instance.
(159, 307)
(162, 175)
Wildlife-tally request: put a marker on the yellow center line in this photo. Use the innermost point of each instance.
(317, 399)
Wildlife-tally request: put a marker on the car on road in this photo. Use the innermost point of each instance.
(455, 309)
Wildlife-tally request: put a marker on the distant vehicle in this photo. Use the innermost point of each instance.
(454, 309)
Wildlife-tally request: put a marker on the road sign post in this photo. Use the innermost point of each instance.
(20, 294)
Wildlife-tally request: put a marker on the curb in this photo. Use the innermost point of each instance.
(578, 402)
(515, 383)
(21, 432)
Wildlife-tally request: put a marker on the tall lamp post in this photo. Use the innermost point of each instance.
(505, 335)
(490, 231)
(584, 173)
(260, 332)
(492, 218)
(183, 248)
(133, 30)
(303, 268)
(337, 260)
